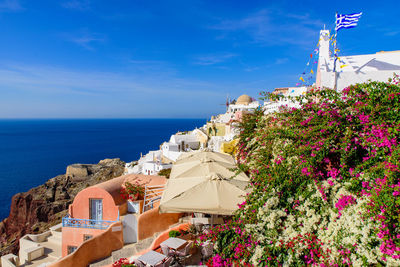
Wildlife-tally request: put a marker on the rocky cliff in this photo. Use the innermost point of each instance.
(43, 206)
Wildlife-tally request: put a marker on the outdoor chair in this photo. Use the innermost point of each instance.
(165, 250)
(207, 249)
(137, 262)
(185, 251)
(199, 226)
(180, 256)
(165, 263)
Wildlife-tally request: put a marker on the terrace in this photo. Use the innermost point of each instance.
(67, 221)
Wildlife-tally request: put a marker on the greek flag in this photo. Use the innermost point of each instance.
(347, 21)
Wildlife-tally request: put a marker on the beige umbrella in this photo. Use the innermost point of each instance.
(198, 168)
(205, 155)
(212, 194)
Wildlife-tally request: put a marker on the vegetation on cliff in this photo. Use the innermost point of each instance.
(325, 180)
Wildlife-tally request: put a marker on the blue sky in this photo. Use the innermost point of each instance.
(166, 59)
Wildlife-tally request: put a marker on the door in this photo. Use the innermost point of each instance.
(96, 209)
(130, 228)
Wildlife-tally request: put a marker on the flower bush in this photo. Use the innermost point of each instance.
(325, 183)
(123, 262)
(132, 191)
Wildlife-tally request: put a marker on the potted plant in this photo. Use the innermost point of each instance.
(132, 192)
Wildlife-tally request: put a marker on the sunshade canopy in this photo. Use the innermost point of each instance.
(212, 194)
(198, 168)
(204, 156)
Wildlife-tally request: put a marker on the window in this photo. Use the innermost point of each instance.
(96, 209)
(71, 249)
(86, 237)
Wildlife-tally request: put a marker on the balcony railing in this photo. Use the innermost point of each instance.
(85, 223)
(152, 195)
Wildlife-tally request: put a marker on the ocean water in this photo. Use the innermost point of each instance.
(33, 151)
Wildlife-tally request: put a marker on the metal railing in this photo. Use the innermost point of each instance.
(67, 221)
(152, 195)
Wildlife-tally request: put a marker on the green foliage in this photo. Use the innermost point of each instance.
(165, 172)
(174, 233)
(225, 240)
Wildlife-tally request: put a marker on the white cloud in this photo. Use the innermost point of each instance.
(272, 27)
(85, 39)
(250, 69)
(80, 5)
(10, 5)
(213, 59)
(392, 33)
(49, 79)
(281, 60)
(52, 91)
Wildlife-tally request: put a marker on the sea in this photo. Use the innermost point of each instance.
(35, 150)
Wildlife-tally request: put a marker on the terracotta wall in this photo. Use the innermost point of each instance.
(152, 222)
(94, 249)
(164, 236)
(145, 179)
(161, 238)
(80, 208)
(72, 236)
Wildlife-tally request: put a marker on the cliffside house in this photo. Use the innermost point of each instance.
(36, 249)
(100, 210)
(154, 167)
(178, 143)
(150, 164)
(274, 106)
(222, 129)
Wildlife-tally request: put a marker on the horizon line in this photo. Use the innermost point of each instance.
(152, 118)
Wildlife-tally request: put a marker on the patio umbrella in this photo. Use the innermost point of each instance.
(197, 168)
(205, 155)
(212, 193)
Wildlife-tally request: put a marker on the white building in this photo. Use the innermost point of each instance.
(243, 104)
(289, 94)
(179, 143)
(149, 164)
(170, 151)
(354, 69)
(185, 141)
(153, 167)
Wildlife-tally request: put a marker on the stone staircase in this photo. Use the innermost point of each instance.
(134, 248)
(126, 252)
(54, 242)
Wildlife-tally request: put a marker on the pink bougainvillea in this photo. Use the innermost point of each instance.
(345, 140)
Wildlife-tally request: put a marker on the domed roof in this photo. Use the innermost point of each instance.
(243, 100)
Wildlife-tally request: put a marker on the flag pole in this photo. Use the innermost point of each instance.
(334, 54)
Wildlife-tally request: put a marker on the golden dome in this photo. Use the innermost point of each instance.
(243, 100)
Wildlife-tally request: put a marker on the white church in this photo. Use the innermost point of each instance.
(348, 70)
(354, 69)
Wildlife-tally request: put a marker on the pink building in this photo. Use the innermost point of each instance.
(97, 207)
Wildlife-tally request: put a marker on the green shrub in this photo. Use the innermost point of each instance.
(165, 172)
(174, 233)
